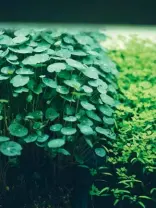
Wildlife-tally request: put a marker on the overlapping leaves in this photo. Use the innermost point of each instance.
(57, 87)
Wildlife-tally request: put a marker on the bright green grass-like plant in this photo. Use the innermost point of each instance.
(132, 159)
(56, 90)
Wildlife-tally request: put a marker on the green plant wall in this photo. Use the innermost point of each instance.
(56, 90)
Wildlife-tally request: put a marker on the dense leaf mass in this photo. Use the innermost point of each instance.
(132, 157)
(54, 89)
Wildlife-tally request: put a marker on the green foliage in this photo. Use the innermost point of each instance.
(132, 158)
(55, 91)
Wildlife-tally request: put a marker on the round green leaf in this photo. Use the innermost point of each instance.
(73, 83)
(56, 143)
(43, 138)
(86, 121)
(86, 130)
(43, 46)
(36, 59)
(8, 70)
(10, 148)
(106, 110)
(93, 115)
(88, 106)
(93, 83)
(18, 130)
(30, 138)
(56, 67)
(87, 89)
(49, 82)
(75, 64)
(4, 138)
(24, 71)
(64, 53)
(56, 127)
(84, 39)
(62, 90)
(78, 53)
(100, 152)
(22, 32)
(69, 98)
(107, 132)
(5, 40)
(22, 49)
(70, 118)
(2, 77)
(68, 131)
(12, 57)
(109, 121)
(107, 99)
(13, 62)
(19, 40)
(69, 40)
(91, 72)
(19, 80)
